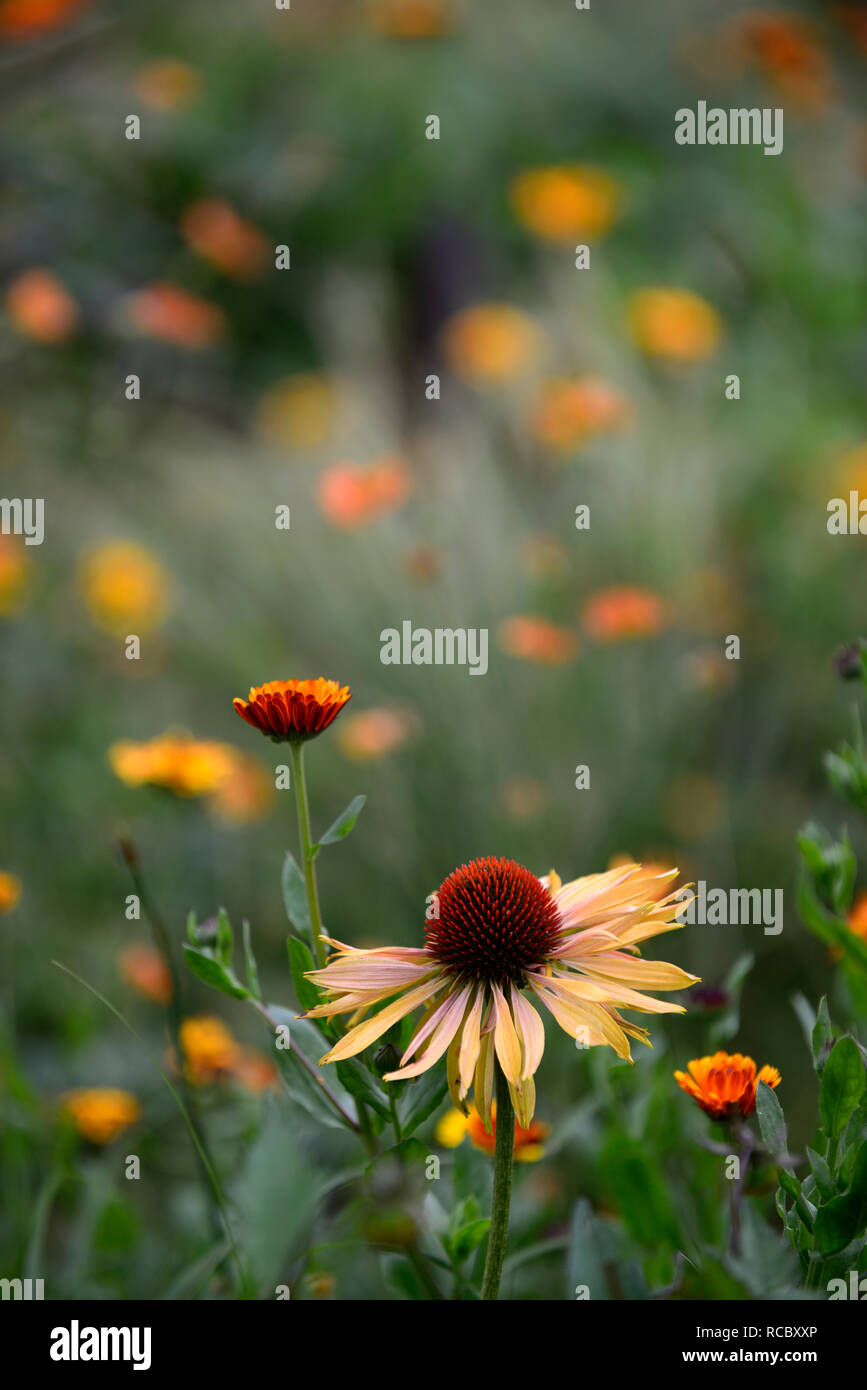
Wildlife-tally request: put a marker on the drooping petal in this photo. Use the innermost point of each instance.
(469, 1050)
(506, 1041)
(483, 1085)
(448, 1019)
(366, 1033)
(531, 1032)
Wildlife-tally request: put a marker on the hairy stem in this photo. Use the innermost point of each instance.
(503, 1150)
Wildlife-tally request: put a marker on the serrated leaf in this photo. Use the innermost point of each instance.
(843, 1080)
(340, 828)
(211, 972)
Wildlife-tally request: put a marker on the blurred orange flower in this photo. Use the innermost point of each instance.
(298, 411)
(856, 920)
(175, 762)
(14, 571)
(167, 84)
(622, 612)
(411, 19)
(244, 795)
(40, 307)
(100, 1114)
(787, 49)
(146, 970)
(490, 343)
(524, 797)
(256, 1072)
(371, 734)
(216, 232)
(10, 891)
(537, 639)
(123, 585)
(674, 324)
(23, 19)
(352, 494)
(570, 411)
(454, 1126)
(209, 1049)
(563, 201)
(725, 1085)
(175, 316)
(293, 710)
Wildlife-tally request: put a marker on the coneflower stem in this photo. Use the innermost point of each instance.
(306, 845)
(503, 1149)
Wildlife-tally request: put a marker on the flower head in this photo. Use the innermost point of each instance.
(216, 232)
(292, 711)
(173, 315)
(489, 344)
(532, 638)
(122, 584)
(496, 931)
(40, 307)
(100, 1114)
(146, 970)
(565, 201)
(724, 1084)
(209, 1049)
(674, 324)
(623, 612)
(352, 495)
(176, 762)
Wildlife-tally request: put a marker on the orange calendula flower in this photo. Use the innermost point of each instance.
(215, 231)
(856, 921)
(40, 307)
(566, 200)
(14, 570)
(100, 1114)
(725, 1085)
(496, 931)
(122, 583)
(10, 891)
(489, 344)
(571, 411)
(168, 84)
(618, 613)
(411, 19)
(674, 324)
(175, 316)
(175, 762)
(209, 1050)
(454, 1126)
(352, 494)
(25, 19)
(292, 711)
(537, 639)
(146, 970)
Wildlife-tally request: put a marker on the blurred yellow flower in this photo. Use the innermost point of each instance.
(124, 585)
(146, 970)
(209, 1049)
(167, 84)
(40, 307)
(100, 1114)
(10, 891)
(215, 231)
(373, 733)
(174, 316)
(571, 411)
(674, 324)
(565, 201)
(352, 495)
(176, 762)
(454, 1127)
(14, 570)
(411, 19)
(490, 343)
(623, 612)
(853, 469)
(298, 411)
(536, 639)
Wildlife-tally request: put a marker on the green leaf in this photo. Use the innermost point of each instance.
(822, 1173)
(726, 1025)
(300, 1085)
(359, 1084)
(467, 1238)
(341, 827)
(225, 939)
(295, 897)
(845, 1217)
(250, 961)
(822, 1037)
(842, 1084)
(300, 961)
(772, 1122)
(587, 1254)
(639, 1192)
(209, 970)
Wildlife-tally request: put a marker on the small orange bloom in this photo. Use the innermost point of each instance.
(215, 232)
(565, 201)
(175, 762)
(453, 1126)
(788, 51)
(100, 1114)
(175, 316)
(725, 1085)
(571, 411)
(244, 794)
(122, 583)
(621, 612)
(351, 495)
(209, 1049)
(168, 84)
(40, 307)
(411, 19)
(146, 970)
(856, 921)
(537, 639)
(489, 344)
(14, 569)
(372, 734)
(10, 891)
(674, 324)
(292, 711)
(25, 19)
(256, 1072)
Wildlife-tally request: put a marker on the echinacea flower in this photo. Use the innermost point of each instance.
(725, 1085)
(496, 930)
(100, 1114)
(454, 1126)
(10, 891)
(175, 762)
(293, 711)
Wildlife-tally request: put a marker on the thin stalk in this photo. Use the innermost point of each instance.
(503, 1150)
(306, 841)
(746, 1141)
(310, 1069)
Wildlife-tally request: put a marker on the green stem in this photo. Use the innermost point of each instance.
(392, 1105)
(306, 841)
(503, 1149)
